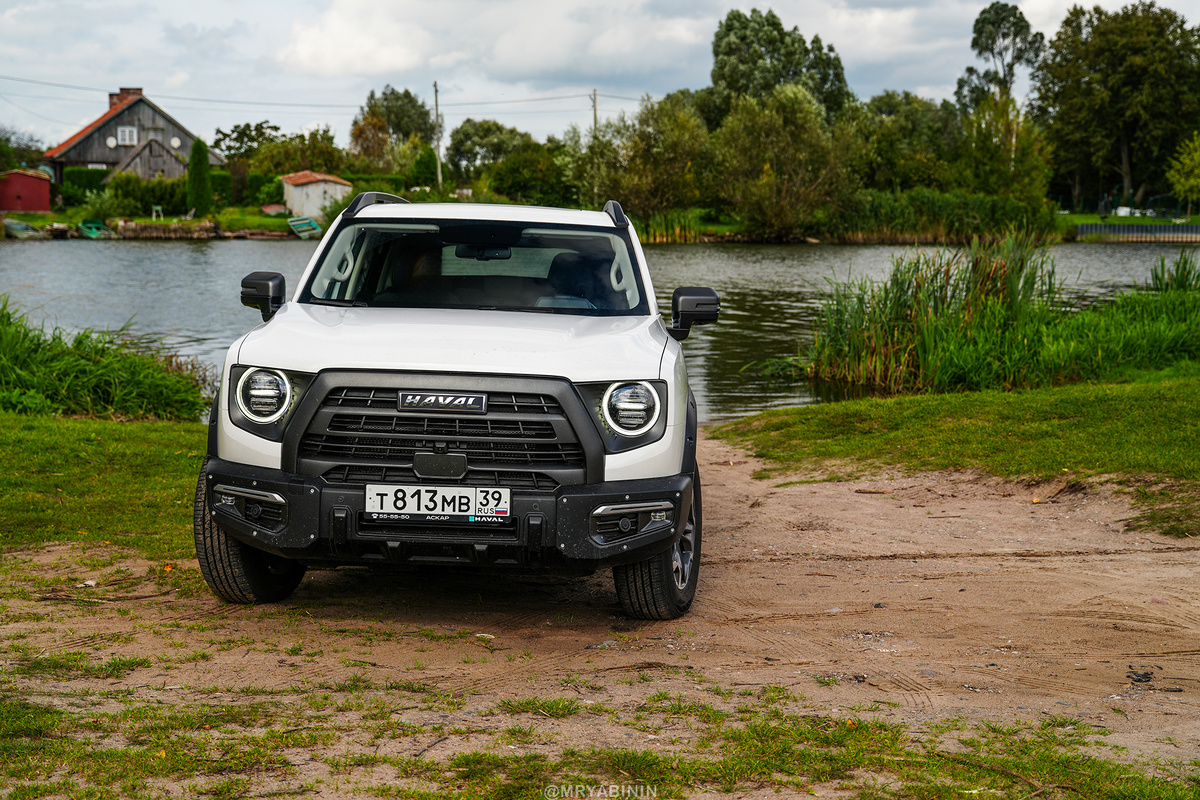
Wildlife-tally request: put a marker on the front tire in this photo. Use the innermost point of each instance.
(663, 586)
(236, 572)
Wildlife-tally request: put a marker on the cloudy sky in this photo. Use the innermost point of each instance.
(531, 64)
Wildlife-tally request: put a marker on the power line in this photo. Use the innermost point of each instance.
(34, 113)
(229, 101)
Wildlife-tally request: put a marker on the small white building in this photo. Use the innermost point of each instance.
(306, 193)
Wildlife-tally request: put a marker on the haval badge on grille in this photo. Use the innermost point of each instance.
(438, 401)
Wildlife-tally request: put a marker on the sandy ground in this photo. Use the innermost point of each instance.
(925, 596)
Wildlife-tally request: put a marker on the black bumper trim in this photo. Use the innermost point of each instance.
(552, 531)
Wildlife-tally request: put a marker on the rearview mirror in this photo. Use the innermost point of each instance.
(264, 291)
(692, 305)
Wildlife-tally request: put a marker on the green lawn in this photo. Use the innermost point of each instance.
(89, 480)
(1144, 433)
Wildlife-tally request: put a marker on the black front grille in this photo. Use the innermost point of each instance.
(389, 448)
(440, 426)
(507, 402)
(525, 441)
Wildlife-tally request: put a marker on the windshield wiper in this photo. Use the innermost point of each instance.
(533, 309)
(339, 303)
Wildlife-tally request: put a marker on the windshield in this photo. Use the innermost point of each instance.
(482, 265)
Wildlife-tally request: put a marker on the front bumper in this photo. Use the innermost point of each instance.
(576, 529)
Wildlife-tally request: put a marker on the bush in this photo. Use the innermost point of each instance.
(396, 184)
(84, 178)
(106, 205)
(271, 192)
(928, 215)
(222, 187)
(106, 374)
(255, 181)
(171, 195)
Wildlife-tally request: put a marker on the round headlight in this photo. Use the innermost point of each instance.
(263, 395)
(630, 409)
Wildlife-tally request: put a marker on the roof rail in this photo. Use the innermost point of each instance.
(365, 199)
(613, 209)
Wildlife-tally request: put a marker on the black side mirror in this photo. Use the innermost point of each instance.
(692, 305)
(264, 291)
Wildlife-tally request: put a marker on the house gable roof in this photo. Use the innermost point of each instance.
(308, 176)
(127, 160)
(114, 111)
(103, 118)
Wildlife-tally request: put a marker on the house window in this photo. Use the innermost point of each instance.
(154, 133)
(97, 166)
(127, 134)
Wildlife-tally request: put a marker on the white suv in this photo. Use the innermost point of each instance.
(479, 386)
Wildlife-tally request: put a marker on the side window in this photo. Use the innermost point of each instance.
(127, 134)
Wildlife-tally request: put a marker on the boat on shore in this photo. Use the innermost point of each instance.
(16, 229)
(304, 227)
(96, 229)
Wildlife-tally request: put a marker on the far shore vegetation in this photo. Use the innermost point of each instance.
(778, 148)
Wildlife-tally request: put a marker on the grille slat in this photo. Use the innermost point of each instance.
(523, 441)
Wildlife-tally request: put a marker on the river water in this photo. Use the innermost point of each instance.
(188, 294)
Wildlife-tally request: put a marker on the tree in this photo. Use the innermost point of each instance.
(658, 152)
(782, 167)
(1117, 90)
(1184, 171)
(530, 174)
(243, 140)
(912, 141)
(199, 187)
(752, 55)
(404, 113)
(314, 150)
(1002, 153)
(18, 148)
(1002, 35)
(369, 136)
(477, 145)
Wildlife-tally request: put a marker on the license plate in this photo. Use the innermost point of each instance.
(437, 503)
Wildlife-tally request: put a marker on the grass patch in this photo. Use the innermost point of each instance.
(84, 480)
(553, 707)
(1142, 432)
(95, 374)
(244, 218)
(77, 664)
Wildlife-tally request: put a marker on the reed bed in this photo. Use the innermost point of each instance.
(991, 316)
(669, 227)
(102, 374)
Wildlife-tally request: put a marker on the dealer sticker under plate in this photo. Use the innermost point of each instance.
(391, 503)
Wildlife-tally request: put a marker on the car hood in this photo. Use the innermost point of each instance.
(310, 338)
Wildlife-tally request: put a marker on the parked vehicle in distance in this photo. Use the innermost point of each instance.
(468, 386)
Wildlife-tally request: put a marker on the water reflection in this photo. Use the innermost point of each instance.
(187, 293)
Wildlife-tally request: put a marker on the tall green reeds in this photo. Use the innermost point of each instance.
(990, 316)
(927, 216)
(94, 374)
(680, 226)
(930, 322)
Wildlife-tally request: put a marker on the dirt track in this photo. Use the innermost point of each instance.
(908, 598)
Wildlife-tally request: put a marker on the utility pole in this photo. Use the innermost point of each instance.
(595, 131)
(437, 121)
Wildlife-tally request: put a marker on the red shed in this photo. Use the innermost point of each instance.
(24, 190)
